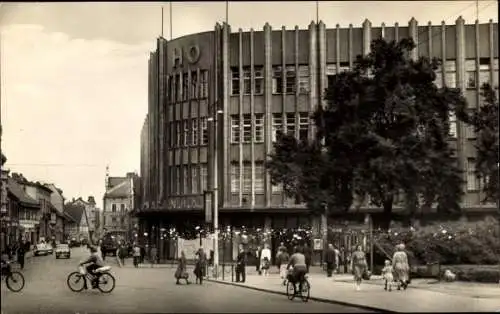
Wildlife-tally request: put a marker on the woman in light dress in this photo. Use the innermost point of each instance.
(265, 260)
(401, 266)
(359, 266)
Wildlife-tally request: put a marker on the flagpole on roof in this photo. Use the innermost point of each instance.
(227, 12)
(161, 21)
(170, 20)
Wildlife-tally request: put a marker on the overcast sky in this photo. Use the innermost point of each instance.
(74, 75)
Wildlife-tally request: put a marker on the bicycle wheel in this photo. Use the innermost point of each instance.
(76, 281)
(106, 283)
(290, 291)
(15, 281)
(305, 291)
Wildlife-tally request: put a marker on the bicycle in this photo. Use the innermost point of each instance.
(12, 277)
(304, 290)
(79, 279)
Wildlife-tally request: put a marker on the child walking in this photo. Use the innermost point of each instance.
(387, 275)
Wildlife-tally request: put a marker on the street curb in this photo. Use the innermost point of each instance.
(364, 307)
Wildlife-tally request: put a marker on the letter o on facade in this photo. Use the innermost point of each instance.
(193, 54)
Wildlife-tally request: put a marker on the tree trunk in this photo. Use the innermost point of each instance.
(387, 214)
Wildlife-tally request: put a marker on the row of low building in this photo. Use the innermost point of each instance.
(36, 211)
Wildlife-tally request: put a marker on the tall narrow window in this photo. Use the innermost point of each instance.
(290, 123)
(331, 70)
(247, 128)
(194, 85)
(204, 177)
(204, 84)
(469, 130)
(259, 128)
(247, 178)
(194, 179)
(260, 174)
(235, 129)
(185, 179)
(235, 81)
(185, 141)
(451, 72)
(175, 83)
(259, 80)
(276, 188)
(303, 126)
(277, 125)
(304, 86)
(235, 178)
(470, 74)
(453, 124)
(472, 180)
(194, 132)
(484, 71)
(204, 131)
(247, 81)
(178, 85)
(177, 180)
(178, 133)
(291, 75)
(277, 80)
(171, 137)
(185, 87)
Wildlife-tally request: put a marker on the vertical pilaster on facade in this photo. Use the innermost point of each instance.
(240, 112)
(322, 64)
(413, 30)
(252, 109)
(367, 36)
(492, 51)
(223, 159)
(477, 55)
(429, 38)
(351, 50)
(337, 48)
(443, 52)
(268, 70)
(382, 26)
(396, 31)
(313, 71)
(160, 86)
(460, 76)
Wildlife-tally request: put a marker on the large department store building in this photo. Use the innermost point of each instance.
(258, 82)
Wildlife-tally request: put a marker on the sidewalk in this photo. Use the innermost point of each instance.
(421, 296)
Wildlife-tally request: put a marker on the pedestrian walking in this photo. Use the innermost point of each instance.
(359, 266)
(387, 275)
(21, 251)
(181, 272)
(330, 258)
(241, 263)
(282, 260)
(258, 255)
(265, 260)
(154, 255)
(118, 256)
(103, 252)
(143, 253)
(401, 267)
(136, 252)
(199, 267)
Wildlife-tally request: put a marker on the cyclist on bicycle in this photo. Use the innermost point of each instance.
(298, 262)
(95, 261)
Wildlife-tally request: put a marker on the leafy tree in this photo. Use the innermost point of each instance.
(384, 131)
(485, 123)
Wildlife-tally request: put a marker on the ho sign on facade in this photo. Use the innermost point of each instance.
(190, 54)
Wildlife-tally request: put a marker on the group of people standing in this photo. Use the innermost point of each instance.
(17, 251)
(199, 268)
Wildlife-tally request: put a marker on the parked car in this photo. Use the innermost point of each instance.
(74, 243)
(109, 245)
(42, 249)
(63, 250)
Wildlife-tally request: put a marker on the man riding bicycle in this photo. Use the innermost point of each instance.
(95, 261)
(299, 270)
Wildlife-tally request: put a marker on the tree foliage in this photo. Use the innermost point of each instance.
(484, 120)
(384, 131)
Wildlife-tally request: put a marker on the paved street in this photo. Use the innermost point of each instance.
(139, 291)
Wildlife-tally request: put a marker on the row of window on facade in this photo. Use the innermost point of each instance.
(114, 208)
(244, 129)
(185, 86)
(193, 179)
(114, 220)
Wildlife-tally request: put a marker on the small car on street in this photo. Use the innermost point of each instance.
(63, 250)
(42, 249)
